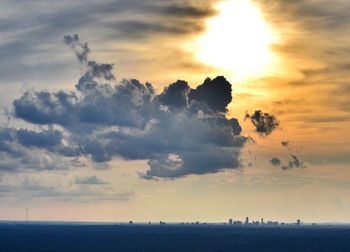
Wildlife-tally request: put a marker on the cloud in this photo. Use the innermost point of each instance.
(285, 144)
(263, 122)
(92, 180)
(33, 188)
(188, 11)
(22, 149)
(215, 93)
(32, 35)
(44, 139)
(180, 131)
(275, 161)
(136, 29)
(295, 162)
(32, 159)
(175, 95)
(81, 49)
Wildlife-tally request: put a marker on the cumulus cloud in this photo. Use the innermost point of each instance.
(180, 131)
(29, 149)
(215, 93)
(263, 122)
(175, 96)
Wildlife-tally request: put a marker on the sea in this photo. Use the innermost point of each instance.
(85, 237)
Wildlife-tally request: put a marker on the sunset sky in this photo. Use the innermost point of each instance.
(84, 136)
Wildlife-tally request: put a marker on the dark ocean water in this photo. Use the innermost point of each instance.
(124, 238)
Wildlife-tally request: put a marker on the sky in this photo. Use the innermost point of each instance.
(181, 110)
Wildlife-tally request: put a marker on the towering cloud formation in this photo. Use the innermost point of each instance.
(181, 131)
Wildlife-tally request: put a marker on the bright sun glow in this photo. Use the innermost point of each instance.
(237, 39)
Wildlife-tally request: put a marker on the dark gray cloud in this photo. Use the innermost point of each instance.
(175, 95)
(215, 93)
(43, 139)
(23, 149)
(285, 144)
(81, 49)
(49, 108)
(181, 131)
(275, 161)
(48, 139)
(179, 10)
(263, 122)
(295, 162)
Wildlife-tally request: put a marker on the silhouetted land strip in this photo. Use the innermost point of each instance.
(125, 238)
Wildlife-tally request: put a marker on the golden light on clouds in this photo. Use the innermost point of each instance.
(237, 40)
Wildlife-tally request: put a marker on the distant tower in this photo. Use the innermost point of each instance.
(298, 222)
(27, 215)
(246, 220)
(230, 221)
(262, 221)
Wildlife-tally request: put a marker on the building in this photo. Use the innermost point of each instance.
(272, 223)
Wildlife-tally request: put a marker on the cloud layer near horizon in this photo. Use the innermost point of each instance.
(181, 131)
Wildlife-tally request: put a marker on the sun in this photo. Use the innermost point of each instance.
(238, 40)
